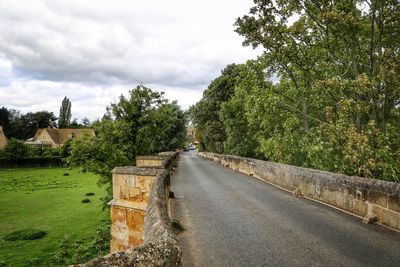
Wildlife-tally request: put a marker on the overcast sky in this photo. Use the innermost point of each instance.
(94, 51)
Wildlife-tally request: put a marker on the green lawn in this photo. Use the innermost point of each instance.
(49, 200)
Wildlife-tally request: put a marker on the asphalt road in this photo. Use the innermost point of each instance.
(232, 219)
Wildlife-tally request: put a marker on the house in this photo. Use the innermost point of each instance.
(54, 138)
(3, 139)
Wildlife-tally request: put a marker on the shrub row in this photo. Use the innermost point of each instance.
(31, 162)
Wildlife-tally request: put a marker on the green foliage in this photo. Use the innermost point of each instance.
(44, 152)
(64, 119)
(15, 150)
(205, 114)
(75, 251)
(34, 262)
(141, 124)
(64, 151)
(335, 101)
(25, 234)
(24, 126)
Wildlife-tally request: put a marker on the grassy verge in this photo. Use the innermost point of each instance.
(50, 200)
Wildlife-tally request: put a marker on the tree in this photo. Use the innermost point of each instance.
(240, 134)
(24, 126)
(205, 114)
(15, 150)
(169, 130)
(64, 119)
(335, 105)
(143, 123)
(5, 120)
(339, 75)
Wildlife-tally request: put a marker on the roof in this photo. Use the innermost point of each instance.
(3, 138)
(60, 136)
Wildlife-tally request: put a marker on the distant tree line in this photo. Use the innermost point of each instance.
(23, 126)
(324, 94)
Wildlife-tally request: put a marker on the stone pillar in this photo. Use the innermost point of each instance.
(131, 189)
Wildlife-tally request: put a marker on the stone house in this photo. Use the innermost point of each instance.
(55, 138)
(3, 139)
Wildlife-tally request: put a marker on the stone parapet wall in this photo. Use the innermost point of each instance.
(153, 161)
(369, 198)
(141, 231)
(131, 191)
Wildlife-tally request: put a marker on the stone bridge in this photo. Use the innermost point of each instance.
(245, 212)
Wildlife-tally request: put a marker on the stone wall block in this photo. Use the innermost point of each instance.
(394, 201)
(360, 208)
(135, 242)
(377, 198)
(124, 192)
(135, 220)
(378, 212)
(135, 194)
(391, 218)
(118, 215)
(120, 234)
(121, 179)
(144, 183)
(344, 201)
(116, 191)
(115, 245)
(361, 194)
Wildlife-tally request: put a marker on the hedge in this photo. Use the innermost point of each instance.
(31, 162)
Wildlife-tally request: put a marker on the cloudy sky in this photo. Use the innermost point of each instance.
(94, 51)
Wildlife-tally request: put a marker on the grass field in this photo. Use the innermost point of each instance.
(49, 200)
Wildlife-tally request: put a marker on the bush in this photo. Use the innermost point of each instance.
(90, 194)
(15, 150)
(85, 200)
(30, 162)
(25, 234)
(75, 251)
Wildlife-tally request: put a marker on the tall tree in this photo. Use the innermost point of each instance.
(64, 119)
(336, 103)
(338, 63)
(205, 114)
(142, 123)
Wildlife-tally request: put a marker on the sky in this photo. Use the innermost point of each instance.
(94, 51)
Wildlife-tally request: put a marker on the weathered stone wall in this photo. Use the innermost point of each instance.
(141, 231)
(156, 161)
(131, 191)
(369, 198)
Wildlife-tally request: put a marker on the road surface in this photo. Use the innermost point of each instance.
(233, 219)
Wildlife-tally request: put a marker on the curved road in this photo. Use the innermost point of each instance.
(232, 219)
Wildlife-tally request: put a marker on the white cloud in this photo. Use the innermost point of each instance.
(91, 51)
